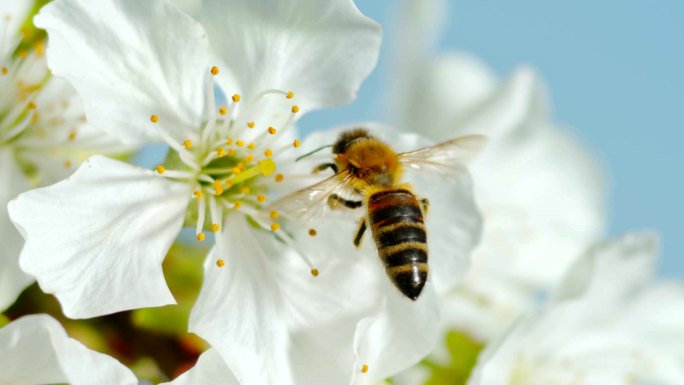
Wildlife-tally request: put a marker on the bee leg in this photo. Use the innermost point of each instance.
(359, 233)
(425, 204)
(323, 166)
(334, 201)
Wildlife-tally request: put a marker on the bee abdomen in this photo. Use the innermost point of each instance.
(397, 224)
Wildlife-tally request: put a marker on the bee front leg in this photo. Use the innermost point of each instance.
(334, 201)
(359, 233)
(425, 204)
(324, 166)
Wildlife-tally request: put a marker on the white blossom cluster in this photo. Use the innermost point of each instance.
(518, 259)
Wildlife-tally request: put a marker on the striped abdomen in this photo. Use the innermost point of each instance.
(396, 221)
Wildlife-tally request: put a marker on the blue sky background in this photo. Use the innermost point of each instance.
(615, 74)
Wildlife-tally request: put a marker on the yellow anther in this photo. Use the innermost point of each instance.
(67, 164)
(290, 95)
(232, 152)
(279, 178)
(240, 143)
(237, 204)
(274, 214)
(236, 98)
(187, 143)
(229, 141)
(275, 226)
(249, 158)
(268, 152)
(251, 146)
(229, 183)
(223, 110)
(251, 124)
(23, 54)
(197, 194)
(297, 143)
(215, 227)
(220, 262)
(295, 109)
(201, 237)
(313, 232)
(236, 170)
(72, 135)
(364, 368)
(221, 152)
(217, 187)
(241, 166)
(154, 119)
(161, 169)
(214, 70)
(5, 70)
(314, 272)
(32, 106)
(272, 130)
(39, 48)
(246, 190)
(267, 167)
(261, 198)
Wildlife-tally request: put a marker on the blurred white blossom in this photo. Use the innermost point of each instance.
(43, 134)
(608, 323)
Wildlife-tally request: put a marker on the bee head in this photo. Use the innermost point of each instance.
(347, 138)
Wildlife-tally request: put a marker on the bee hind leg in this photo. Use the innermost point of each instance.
(425, 205)
(359, 234)
(334, 201)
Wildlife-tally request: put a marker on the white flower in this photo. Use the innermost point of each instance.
(540, 191)
(350, 325)
(42, 133)
(145, 72)
(36, 350)
(607, 324)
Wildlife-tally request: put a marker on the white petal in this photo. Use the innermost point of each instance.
(607, 325)
(321, 50)
(399, 337)
(484, 306)
(12, 280)
(97, 239)
(612, 270)
(191, 7)
(210, 369)
(36, 350)
(435, 96)
(129, 60)
(273, 322)
(542, 194)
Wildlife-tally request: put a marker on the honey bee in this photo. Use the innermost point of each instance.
(370, 171)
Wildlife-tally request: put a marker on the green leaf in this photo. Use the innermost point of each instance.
(463, 351)
(3, 320)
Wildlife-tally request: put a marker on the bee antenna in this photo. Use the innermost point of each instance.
(312, 152)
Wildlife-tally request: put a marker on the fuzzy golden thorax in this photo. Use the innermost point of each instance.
(371, 162)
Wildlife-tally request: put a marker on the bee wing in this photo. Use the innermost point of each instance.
(445, 159)
(304, 204)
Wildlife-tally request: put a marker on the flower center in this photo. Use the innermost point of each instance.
(231, 159)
